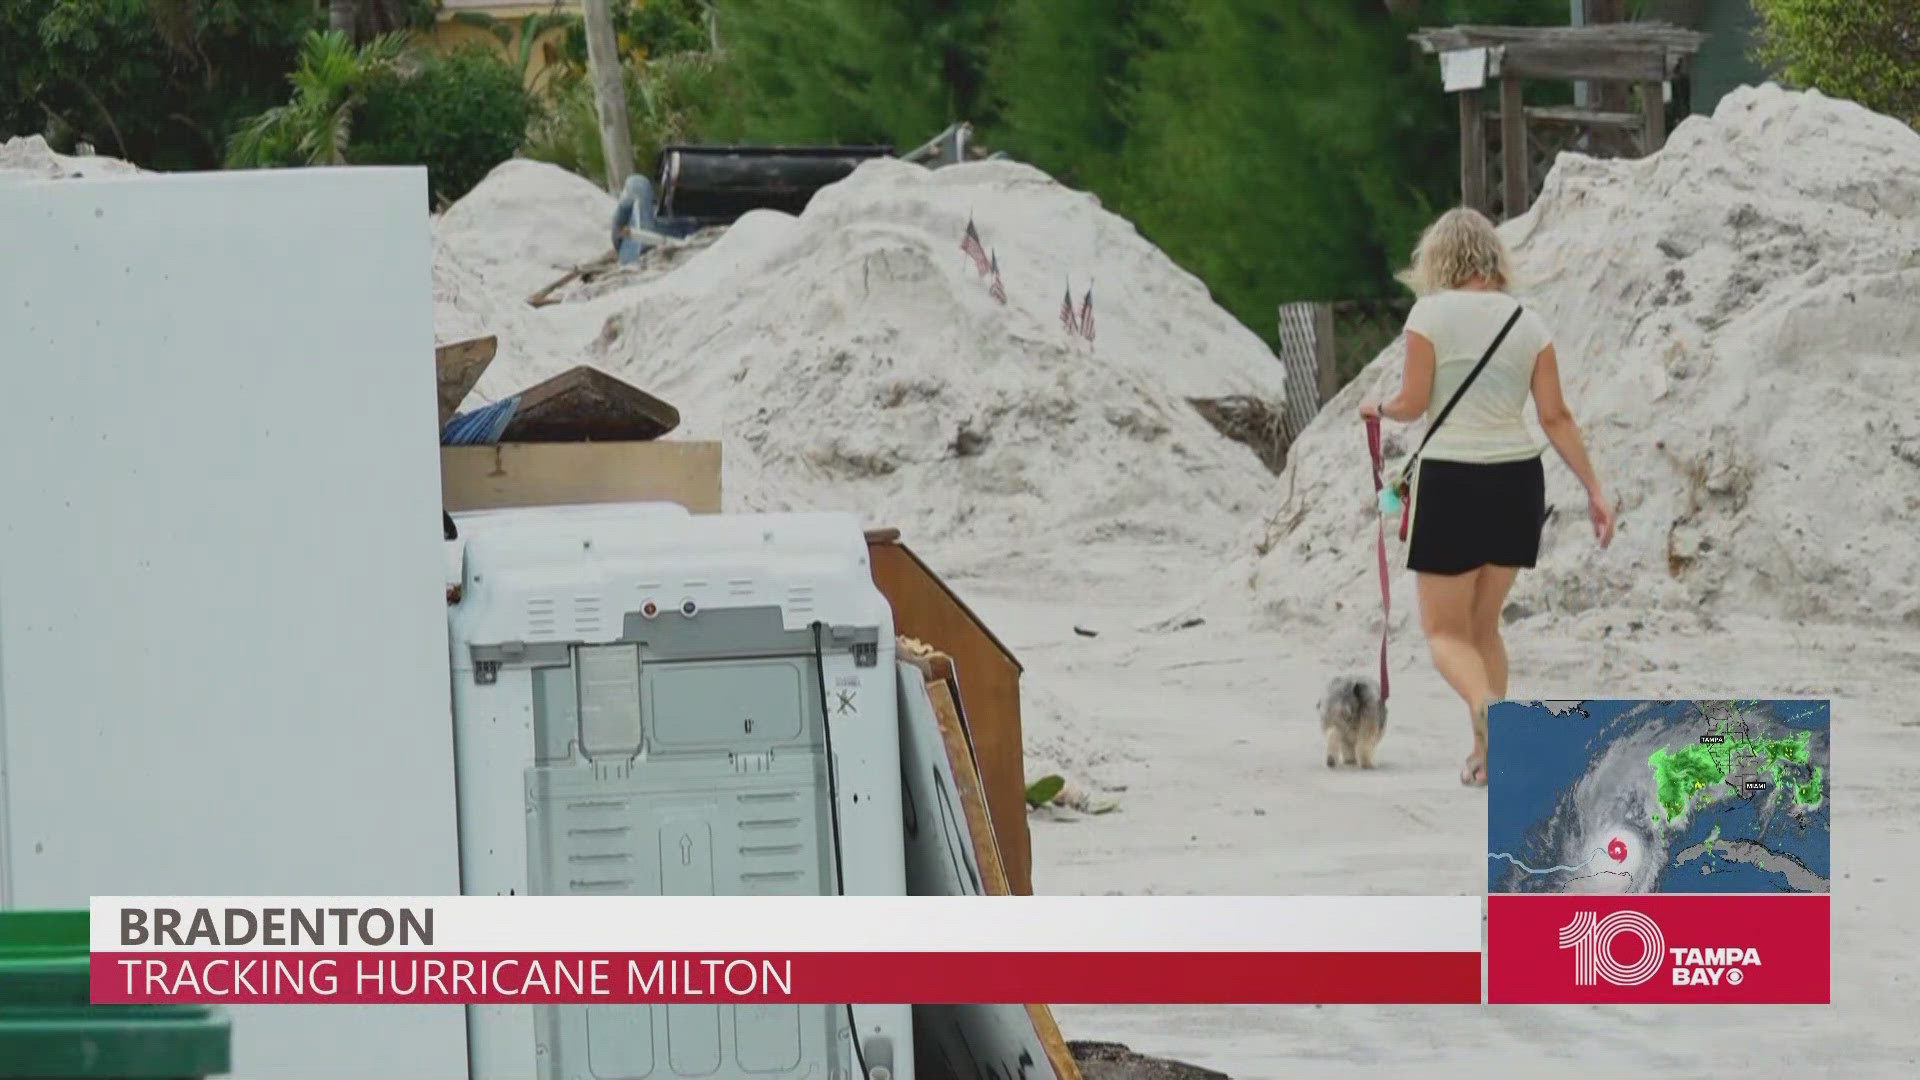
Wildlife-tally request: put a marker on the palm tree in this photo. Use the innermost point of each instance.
(341, 16)
(313, 128)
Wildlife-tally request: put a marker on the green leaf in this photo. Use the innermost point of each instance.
(1045, 790)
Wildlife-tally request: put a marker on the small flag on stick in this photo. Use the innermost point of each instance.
(997, 290)
(1067, 317)
(1086, 315)
(971, 245)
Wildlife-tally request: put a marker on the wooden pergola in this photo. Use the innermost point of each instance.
(1616, 58)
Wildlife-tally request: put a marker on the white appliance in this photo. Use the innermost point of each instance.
(649, 702)
(222, 647)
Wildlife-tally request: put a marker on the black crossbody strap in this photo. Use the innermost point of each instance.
(1468, 381)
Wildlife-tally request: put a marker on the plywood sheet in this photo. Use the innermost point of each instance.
(951, 852)
(558, 474)
(459, 365)
(986, 686)
(585, 404)
(223, 662)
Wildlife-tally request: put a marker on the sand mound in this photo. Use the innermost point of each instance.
(516, 232)
(1739, 339)
(526, 224)
(30, 154)
(852, 358)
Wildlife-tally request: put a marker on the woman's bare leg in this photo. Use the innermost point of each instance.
(1489, 598)
(1446, 616)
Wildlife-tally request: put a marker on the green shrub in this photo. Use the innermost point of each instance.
(1864, 50)
(159, 82)
(315, 126)
(459, 114)
(670, 99)
(567, 131)
(651, 29)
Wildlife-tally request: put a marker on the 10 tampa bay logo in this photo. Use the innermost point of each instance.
(1592, 938)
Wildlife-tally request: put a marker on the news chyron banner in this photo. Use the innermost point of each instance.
(1659, 851)
(789, 949)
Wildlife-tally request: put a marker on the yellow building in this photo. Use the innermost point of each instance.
(504, 25)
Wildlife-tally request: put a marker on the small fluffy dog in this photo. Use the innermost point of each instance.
(1353, 718)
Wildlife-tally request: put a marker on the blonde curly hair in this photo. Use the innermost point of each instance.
(1457, 248)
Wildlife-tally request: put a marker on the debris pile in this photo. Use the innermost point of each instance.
(855, 358)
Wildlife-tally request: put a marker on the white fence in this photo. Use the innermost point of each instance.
(1306, 350)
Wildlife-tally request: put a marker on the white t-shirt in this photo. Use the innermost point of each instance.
(1489, 423)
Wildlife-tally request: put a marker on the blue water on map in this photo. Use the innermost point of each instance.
(1537, 756)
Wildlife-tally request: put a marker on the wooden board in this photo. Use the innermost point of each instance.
(986, 687)
(1653, 109)
(951, 852)
(1615, 52)
(1554, 114)
(459, 366)
(1611, 63)
(1473, 151)
(558, 474)
(1516, 163)
(585, 404)
(1623, 35)
(545, 295)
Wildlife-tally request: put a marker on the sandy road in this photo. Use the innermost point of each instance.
(1212, 732)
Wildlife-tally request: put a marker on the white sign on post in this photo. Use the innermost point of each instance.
(1463, 69)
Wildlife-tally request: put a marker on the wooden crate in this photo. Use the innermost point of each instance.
(559, 474)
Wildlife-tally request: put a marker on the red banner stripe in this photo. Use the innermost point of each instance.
(372, 977)
(1759, 949)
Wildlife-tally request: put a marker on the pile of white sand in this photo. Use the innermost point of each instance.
(30, 155)
(1739, 338)
(524, 225)
(520, 229)
(852, 358)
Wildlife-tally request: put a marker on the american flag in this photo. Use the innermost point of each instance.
(971, 245)
(1067, 317)
(1086, 315)
(997, 290)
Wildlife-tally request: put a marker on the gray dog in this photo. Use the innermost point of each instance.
(1354, 718)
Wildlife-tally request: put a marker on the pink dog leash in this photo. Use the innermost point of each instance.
(1380, 548)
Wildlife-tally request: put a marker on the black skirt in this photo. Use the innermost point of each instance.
(1465, 516)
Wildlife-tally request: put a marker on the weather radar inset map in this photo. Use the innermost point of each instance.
(1658, 796)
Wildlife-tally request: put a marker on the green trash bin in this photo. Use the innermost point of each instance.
(49, 1030)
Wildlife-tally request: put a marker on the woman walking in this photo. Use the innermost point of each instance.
(1478, 492)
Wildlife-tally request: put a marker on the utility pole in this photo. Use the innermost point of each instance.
(609, 93)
